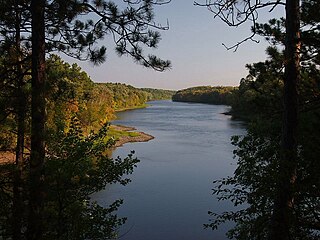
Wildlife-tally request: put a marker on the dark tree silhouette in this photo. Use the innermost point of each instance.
(235, 13)
(38, 116)
(74, 28)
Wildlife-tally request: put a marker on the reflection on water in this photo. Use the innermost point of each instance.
(170, 193)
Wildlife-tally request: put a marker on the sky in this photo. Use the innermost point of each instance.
(193, 44)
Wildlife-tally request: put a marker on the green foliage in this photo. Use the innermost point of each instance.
(158, 94)
(261, 91)
(257, 154)
(252, 189)
(116, 134)
(68, 91)
(99, 108)
(14, 93)
(77, 162)
(128, 97)
(76, 27)
(71, 92)
(76, 166)
(205, 94)
(124, 96)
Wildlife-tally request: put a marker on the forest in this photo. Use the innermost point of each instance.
(54, 119)
(78, 112)
(258, 102)
(205, 94)
(72, 94)
(277, 179)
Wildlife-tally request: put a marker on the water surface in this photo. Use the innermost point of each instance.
(170, 193)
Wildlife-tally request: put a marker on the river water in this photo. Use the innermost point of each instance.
(170, 193)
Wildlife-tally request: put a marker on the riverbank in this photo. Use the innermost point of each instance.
(191, 147)
(131, 108)
(128, 135)
(122, 134)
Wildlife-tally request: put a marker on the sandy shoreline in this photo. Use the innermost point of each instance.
(142, 137)
(9, 157)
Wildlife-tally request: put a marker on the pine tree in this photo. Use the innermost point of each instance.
(74, 28)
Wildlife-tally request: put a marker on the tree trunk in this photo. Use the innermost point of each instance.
(17, 183)
(35, 226)
(282, 219)
(20, 118)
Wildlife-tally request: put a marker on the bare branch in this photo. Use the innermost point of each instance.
(236, 46)
(235, 13)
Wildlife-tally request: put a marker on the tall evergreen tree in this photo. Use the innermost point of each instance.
(235, 13)
(281, 220)
(74, 28)
(38, 117)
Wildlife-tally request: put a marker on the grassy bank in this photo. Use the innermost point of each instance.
(124, 134)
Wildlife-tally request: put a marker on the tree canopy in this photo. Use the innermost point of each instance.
(273, 188)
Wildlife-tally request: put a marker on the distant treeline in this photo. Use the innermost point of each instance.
(158, 94)
(205, 94)
(94, 103)
(120, 96)
(246, 101)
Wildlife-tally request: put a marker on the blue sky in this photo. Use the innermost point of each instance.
(194, 45)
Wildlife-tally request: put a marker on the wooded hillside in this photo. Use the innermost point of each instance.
(205, 94)
(71, 93)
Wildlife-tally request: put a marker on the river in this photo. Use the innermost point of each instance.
(170, 193)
